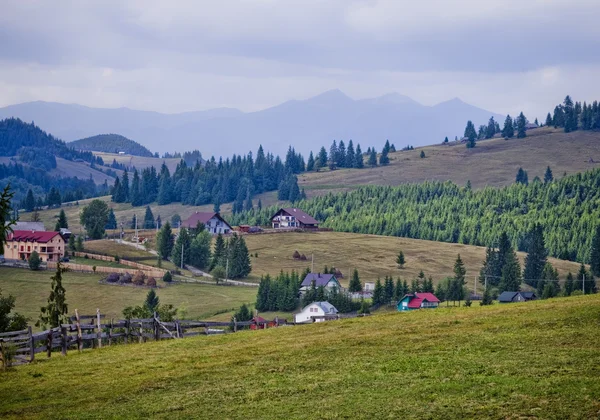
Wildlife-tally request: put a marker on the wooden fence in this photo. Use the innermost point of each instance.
(84, 268)
(128, 263)
(92, 331)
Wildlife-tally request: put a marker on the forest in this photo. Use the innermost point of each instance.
(567, 209)
(111, 143)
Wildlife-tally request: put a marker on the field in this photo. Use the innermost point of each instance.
(531, 360)
(374, 256)
(491, 163)
(138, 161)
(200, 301)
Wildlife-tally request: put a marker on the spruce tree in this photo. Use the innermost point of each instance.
(321, 162)
(491, 128)
(548, 177)
(355, 284)
(125, 187)
(149, 222)
(378, 294)
(359, 164)
(111, 223)
(62, 220)
(486, 299)
(182, 244)
(373, 158)
(219, 256)
(152, 301)
(164, 241)
(55, 312)
(72, 246)
(511, 274)
(383, 158)
(569, 284)
(549, 120)
(400, 260)
(459, 279)
(136, 192)
(350, 156)
(536, 256)
(310, 164)
(398, 290)
(29, 201)
(595, 253)
(446, 139)
(388, 289)
(509, 130)
(521, 126)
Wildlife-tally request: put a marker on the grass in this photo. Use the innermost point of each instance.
(491, 163)
(533, 360)
(31, 289)
(374, 256)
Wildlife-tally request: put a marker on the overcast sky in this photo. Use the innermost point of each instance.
(173, 56)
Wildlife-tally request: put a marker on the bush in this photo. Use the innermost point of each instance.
(86, 257)
(577, 293)
(139, 278)
(117, 259)
(151, 282)
(34, 261)
(125, 278)
(112, 278)
(167, 277)
(94, 268)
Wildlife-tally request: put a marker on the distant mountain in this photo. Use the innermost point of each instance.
(304, 124)
(111, 143)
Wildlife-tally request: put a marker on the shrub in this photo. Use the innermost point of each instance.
(577, 293)
(167, 277)
(86, 257)
(125, 278)
(112, 278)
(139, 278)
(117, 259)
(151, 282)
(94, 268)
(34, 261)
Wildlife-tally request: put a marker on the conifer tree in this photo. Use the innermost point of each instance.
(521, 126)
(400, 260)
(136, 192)
(511, 274)
(125, 187)
(219, 256)
(55, 312)
(341, 155)
(152, 301)
(548, 177)
(378, 294)
(446, 139)
(459, 280)
(536, 256)
(373, 158)
(310, 164)
(398, 290)
(595, 253)
(549, 120)
(182, 244)
(383, 158)
(491, 128)
(321, 162)
(486, 299)
(111, 223)
(149, 222)
(569, 284)
(388, 289)
(359, 158)
(164, 191)
(522, 177)
(509, 130)
(470, 134)
(29, 201)
(72, 243)
(350, 156)
(355, 284)
(62, 220)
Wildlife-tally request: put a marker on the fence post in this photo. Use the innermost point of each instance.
(110, 332)
(234, 324)
(141, 332)
(156, 328)
(78, 325)
(126, 331)
(31, 344)
(277, 321)
(63, 338)
(177, 329)
(49, 343)
(99, 333)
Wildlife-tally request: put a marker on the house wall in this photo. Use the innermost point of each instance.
(216, 226)
(52, 250)
(308, 312)
(284, 221)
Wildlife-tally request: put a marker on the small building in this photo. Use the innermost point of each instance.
(413, 301)
(244, 228)
(323, 310)
(510, 297)
(21, 243)
(328, 281)
(37, 226)
(260, 322)
(531, 126)
(369, 286)
(293, 218)
(213, 222)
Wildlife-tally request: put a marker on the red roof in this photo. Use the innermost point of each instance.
(418, 298)
(429, 297)
(31, 236)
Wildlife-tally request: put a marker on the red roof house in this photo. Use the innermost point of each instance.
(293, 218)
(413, 301)
(212, 221)
(21, 243)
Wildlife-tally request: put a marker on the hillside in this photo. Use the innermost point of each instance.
(305, 124)
(492, 163)
(111, 143)
(534, 360)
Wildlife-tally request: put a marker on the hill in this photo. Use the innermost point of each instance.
(536, 359)
(491, 163)
(305, 124)
(111, 143)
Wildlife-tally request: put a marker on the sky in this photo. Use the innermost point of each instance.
(502, 55)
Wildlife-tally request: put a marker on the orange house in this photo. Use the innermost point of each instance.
(21, 243)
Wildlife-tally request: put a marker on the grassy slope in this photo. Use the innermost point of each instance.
(374, 256)
(138, 161)
(31, 290)
(537, 359)
(493, 162)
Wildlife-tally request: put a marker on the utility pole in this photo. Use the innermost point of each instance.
(181, 255)
(312, 259)
(137, 239)
(583, 284)
(475, 286)
(227, 269)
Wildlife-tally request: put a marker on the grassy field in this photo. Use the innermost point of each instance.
(374, 256)
(493, 162)
(139, 162)
(532, 360)
(31, 289)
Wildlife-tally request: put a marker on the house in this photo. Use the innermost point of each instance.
(213, 222)
(531, 126)
(413, 301)
(21, 243)
(509, 297)
(37, 226)
(260, 322)
(328, 281)
(293, 218)
(369, 286)
(316, 309)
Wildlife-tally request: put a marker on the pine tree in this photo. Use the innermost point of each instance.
(509, 130)
(321, 162)
(595, 253)
(388, 289)
(373, 158)
(400, 259)
(111, 223)
(220, 252)
(182, 244)
(152, 301)
(459, 280)
(136, 192)
(350, 156)
(549, 120)
(569, 284)
(378, 294)
(310, 165)
(521, 126)
(355, 284)
(548, 177)
(149, 219)
(62, 220)
(486, 299)
(29, 201)
(125, 187)
(55, 312)
(359, 158)
(536, 256)
(491, 128)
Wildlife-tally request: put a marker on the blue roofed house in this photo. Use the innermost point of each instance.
(316, 312)
(509, 297)
(328, 281)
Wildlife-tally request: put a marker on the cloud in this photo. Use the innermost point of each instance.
(186, 55)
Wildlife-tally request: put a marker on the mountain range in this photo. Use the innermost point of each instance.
(304, 124)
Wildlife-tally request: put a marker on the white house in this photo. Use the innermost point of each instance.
(213, 222)
(315, 309)
(369, 286)
(293, 218)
